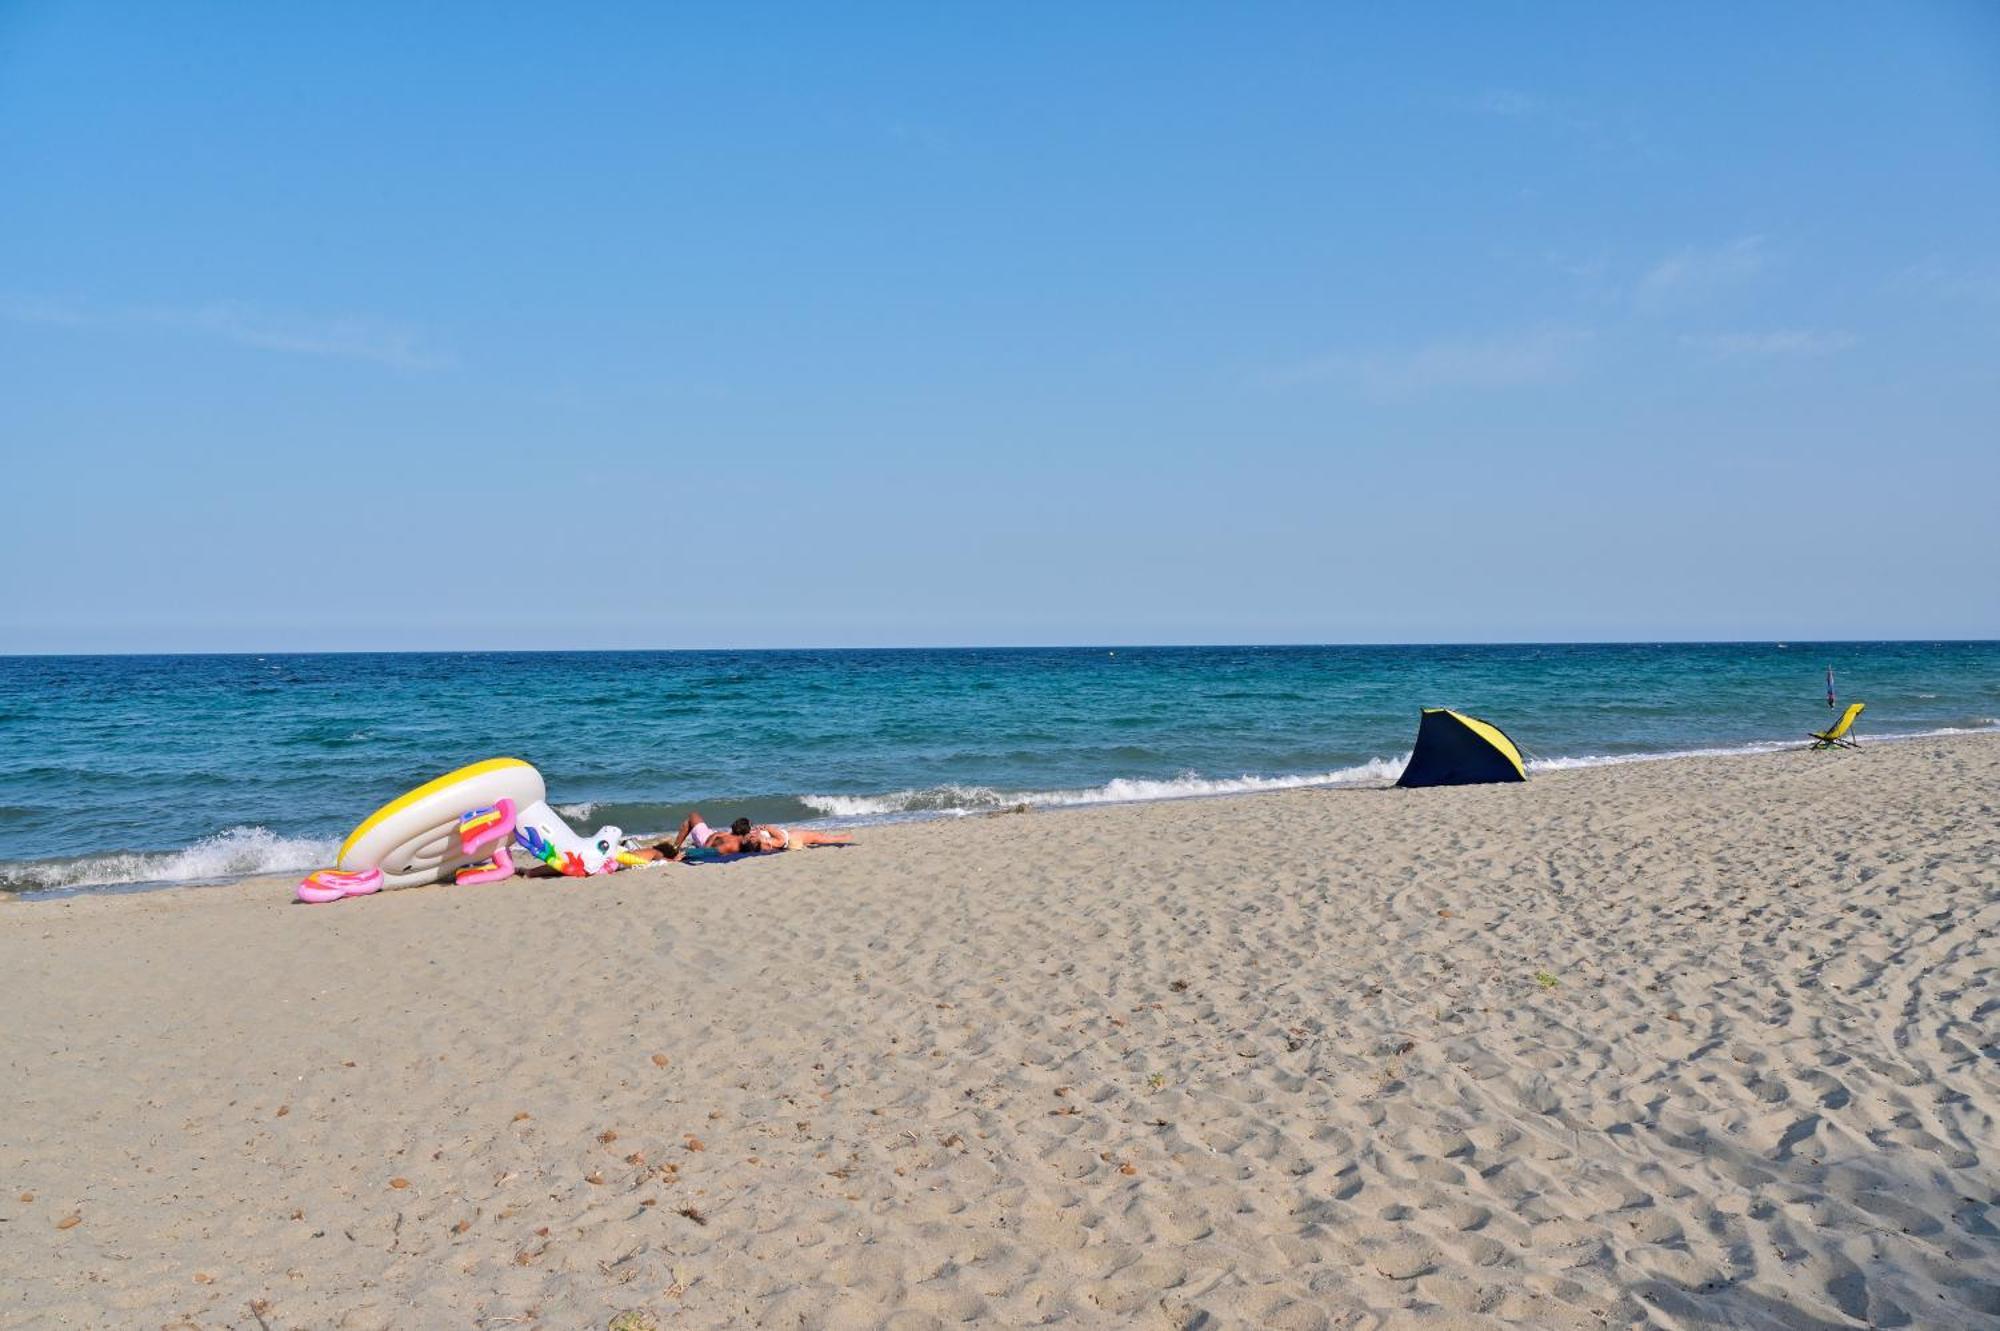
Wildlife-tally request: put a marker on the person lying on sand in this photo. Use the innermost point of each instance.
(767, 837)
(695, 829)
(742, 838)
(708, 838)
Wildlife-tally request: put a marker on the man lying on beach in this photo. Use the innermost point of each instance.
(708, 838)
(742, 838)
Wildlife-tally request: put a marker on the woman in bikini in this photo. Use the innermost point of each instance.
(743, 838)
(766, 837)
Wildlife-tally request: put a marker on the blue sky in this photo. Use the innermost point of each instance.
(350, 326)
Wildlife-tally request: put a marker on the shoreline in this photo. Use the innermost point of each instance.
(1231, 788)
(1699, 1039)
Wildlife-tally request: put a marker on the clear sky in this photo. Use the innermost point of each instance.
(348, 325)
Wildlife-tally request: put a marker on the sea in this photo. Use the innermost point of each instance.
(121, 772)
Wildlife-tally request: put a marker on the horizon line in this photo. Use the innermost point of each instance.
(1009, 647)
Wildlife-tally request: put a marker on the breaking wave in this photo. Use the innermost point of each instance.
(1980, 725)
(239, 852)
(244, 852)
(954, 799)
(1613, 759)
(966, 799)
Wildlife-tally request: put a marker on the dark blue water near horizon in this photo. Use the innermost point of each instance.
(129, 769)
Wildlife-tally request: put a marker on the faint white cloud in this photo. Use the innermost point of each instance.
(379, 341)
(1591, 268)
(1779, 342)
(928, 137)
(1523, 358)
(1577, 126)
(347, 338)
(1507, 102)
(1951, 281)
(1693, 275)
(45, 312)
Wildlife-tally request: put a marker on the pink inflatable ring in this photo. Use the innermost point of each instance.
(324, 885)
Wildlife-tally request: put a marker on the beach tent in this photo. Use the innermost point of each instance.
(1454, 749)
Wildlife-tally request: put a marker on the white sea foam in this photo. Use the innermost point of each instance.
(1980, 725)
(1122, 790)
(239, 852)
(1613, 759)
(242, 852)
(958, 800)
(932, 799)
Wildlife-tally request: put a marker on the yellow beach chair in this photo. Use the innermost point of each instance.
(1836, 738)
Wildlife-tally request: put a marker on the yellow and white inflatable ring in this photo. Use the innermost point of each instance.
(413, 839)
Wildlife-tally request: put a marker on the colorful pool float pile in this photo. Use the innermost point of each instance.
(464, 826)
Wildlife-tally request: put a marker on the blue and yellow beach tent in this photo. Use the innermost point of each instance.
(1454, 749)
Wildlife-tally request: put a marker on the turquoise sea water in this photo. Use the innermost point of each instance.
(134, 769)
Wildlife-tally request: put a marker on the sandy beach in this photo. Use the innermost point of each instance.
(1691, 1043)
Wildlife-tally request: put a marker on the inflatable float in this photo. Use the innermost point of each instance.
(466, 826)
(325, 885)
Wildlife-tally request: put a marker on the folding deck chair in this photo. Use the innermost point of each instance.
(1836, 738)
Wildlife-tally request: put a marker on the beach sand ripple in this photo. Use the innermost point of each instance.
(1707, 1042)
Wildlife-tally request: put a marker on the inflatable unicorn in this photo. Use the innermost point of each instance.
(466, 824)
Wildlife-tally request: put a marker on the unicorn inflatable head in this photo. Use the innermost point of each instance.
(542, 833)
(602, 857)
